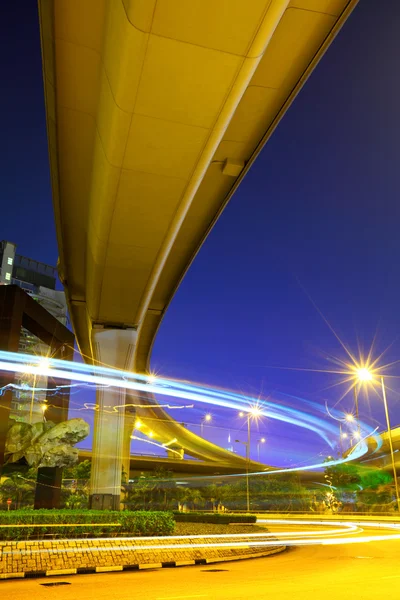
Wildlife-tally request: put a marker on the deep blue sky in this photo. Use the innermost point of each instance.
(317, 217)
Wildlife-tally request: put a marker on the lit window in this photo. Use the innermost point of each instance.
(8, 276)
(9, 260)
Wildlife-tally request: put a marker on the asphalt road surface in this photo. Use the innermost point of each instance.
(351, 571)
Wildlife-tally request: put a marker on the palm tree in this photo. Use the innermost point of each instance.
(192, 496)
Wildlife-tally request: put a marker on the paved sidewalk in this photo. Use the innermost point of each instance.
(64, 557)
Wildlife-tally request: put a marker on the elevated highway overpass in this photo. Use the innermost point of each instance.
(156, 109)
(379, 455)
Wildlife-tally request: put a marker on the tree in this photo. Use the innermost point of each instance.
(139, 493)
(215, 494)
(374, 478)
(76, 480)
(20, 488)
(81, 470)
(192, 496)
(165, 488)
(377, 490)
(344, 476)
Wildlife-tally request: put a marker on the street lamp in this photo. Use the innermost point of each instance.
(206, 419)
(356, 435)
(44, 407)
(260, 441)
(42, 368)
(253, 413)
(342, 436)
(247, 444)
(366, 376)
(32, 398)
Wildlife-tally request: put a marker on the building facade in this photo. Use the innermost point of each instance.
(39, 281)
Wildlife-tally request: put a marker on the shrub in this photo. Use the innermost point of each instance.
(28, 524)
(216, 518)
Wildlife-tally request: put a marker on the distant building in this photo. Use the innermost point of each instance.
(39, 281)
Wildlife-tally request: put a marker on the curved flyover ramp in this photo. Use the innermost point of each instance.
(156, 109)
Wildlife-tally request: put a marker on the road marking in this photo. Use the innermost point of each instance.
(363, 557)
(171, 597)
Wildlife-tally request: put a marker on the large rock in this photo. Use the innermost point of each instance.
(59, 456)
(45, 444)
(19, 436)
(40, 427)
(69, 432)
(33, 455)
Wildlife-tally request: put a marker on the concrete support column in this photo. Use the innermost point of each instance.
(129, 424)
(130, 418)
(114, 348)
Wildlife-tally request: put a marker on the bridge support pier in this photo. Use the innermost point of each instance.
(129, 425)
(114, 348)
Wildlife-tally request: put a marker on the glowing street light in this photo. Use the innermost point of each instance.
(260, 441)
(366, 375)
(206, 419)
(42, 368)
(151, 378)
(255, 412)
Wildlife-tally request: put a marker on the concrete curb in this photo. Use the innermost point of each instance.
(138, 567)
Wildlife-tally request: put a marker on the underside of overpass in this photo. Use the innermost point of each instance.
(156, 110)
(192, 469)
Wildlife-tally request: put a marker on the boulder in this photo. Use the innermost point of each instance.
(45, 444)
(33, 455)
(19, 436)
(69, 432)
(59, 456)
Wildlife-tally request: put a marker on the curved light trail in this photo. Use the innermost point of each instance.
(82, 374)
(334, 533)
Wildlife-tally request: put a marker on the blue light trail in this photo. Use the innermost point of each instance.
(82, 374)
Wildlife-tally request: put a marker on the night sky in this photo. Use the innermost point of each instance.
(314, 224)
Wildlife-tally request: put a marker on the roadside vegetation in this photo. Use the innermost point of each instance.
(349, 487)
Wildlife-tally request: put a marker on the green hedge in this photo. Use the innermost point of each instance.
(217, 518)
(29, 524)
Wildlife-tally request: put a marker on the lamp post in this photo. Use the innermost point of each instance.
(260, 441)
(356, 436)
(206, 419)
(247, 444)
(356, 407)
(390, 443)
(343, 436)
(32, 399)
(41, 369)
(253, 413)
(366, 376)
